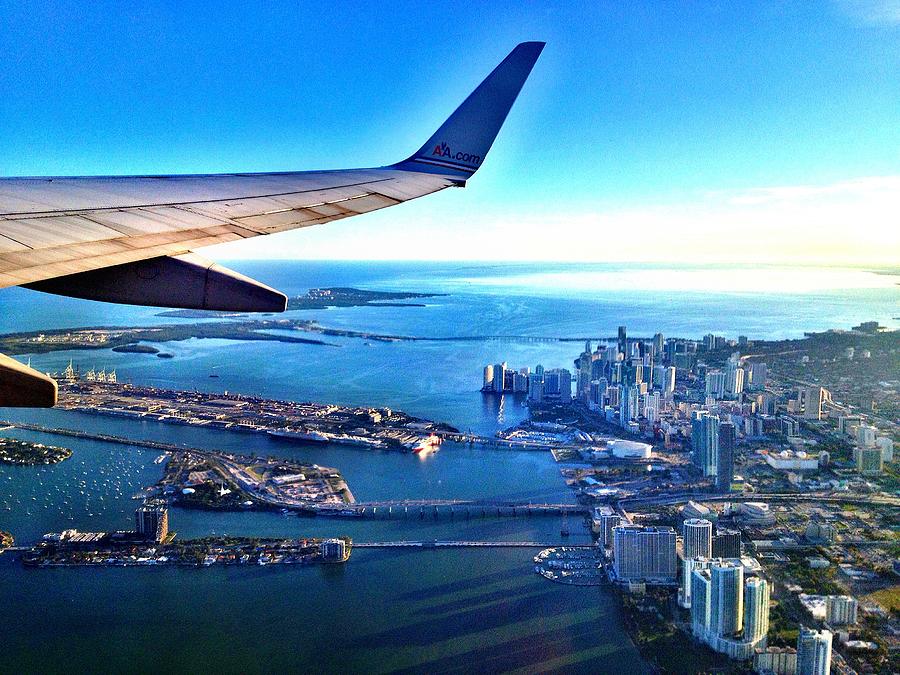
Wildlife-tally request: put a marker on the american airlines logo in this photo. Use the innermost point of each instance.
(443, 150)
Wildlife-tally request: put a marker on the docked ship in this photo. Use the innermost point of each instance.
(357, 441)
(299, 435)
(426, 445)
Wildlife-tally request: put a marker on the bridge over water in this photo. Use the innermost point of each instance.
(436, 508)
(465, 544)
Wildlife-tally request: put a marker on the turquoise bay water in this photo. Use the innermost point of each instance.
(425, 611)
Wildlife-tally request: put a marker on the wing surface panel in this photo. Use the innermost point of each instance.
(53, 227)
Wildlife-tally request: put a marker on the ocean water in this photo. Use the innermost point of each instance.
(387, 610)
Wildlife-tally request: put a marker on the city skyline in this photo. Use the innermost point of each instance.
(650, 132)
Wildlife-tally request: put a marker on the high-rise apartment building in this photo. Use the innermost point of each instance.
(813, 652)
(725, 459)
(669, 383)
(841, 610)
(608, 522)
(756, 609)
(151, 522)
(726, 598)
(705, 441)
(333, 550)
(726, 543)
(697, 534)
(715, 384)
(757, 375)
(812, 401)
(729, 614)
(869, 461)
(644, 553)
(734, 378)
(499, 377)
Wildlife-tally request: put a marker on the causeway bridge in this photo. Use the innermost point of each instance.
(452, 508)
(464, 544)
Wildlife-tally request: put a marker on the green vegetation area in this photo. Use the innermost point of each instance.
(650, 625)
(206, 496)
(783, 630)
(24, 453)
(890, 480)
(813, 581)
(889, 598)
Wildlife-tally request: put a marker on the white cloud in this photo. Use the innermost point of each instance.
(877, 12)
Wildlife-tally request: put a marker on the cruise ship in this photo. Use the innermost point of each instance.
(426, 445)
(298, 435)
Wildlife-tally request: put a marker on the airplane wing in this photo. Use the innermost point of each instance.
(129, 239)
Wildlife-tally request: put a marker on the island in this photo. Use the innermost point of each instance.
(72, 548)
(219, 481)
(6, 540)
(133, 348)
(321, 298)
(126, 339)
(26, 453)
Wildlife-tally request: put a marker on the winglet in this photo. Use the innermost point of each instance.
(459, 147)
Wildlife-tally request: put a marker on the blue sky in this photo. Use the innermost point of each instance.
(647, 131)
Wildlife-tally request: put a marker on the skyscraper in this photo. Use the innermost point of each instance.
(813, 652)
(608, 521)
(715, 383)
(696, 551)
(488, 384)
(758, 375)
(536, 387)
(756, 609)
(697, 533)
(705, 441)
(669, 384)
(725, 459)
(659, 343)
(841, 610)
(729, 614)
(622, 343)
(701, 591)
(726, 598)
(499, 376)
(628, 407)
(151, 521)
(333, 550)
(644, 553)
(726, 543)
(869, 461)
(734, 377)
(812, 401)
